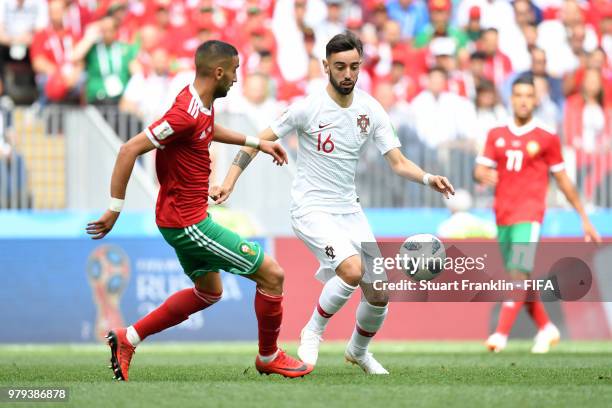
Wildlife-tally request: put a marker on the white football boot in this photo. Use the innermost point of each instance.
(546, 338)
(367, 362)
(308, 351)
(496, 342)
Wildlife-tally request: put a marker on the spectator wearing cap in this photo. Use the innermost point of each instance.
(440, 26)
(19, 20)
(333, 24)
(107, 62)
(250, 18)
(497, 65)
(493, 13)
(473, 29)
(57, 75)
(410, 14)
(378, 16)
(442, 50)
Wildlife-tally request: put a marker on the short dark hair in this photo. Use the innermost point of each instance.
(490, 30)
(478, 55)
(485, 86)
(344, 42)
(525, 79)
(210, 53)
(437, 68)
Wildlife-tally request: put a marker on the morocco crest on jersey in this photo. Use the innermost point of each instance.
(363, 122)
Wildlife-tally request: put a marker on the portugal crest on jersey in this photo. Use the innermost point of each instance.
(363, 122)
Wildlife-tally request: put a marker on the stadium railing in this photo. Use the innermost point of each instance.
(62, 158)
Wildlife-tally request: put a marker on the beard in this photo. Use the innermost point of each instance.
(220, 92)
(341, 89)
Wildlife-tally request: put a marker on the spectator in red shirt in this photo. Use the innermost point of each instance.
(57, 76)
(76, 17)
(149, 38)
(588, 129)
(497, 65)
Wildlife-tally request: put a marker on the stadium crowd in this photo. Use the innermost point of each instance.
(423, 60)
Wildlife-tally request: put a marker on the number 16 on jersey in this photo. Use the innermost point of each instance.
(327, 145)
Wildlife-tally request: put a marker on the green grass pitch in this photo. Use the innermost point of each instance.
(423, 374)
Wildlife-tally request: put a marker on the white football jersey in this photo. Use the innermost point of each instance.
(330, 141)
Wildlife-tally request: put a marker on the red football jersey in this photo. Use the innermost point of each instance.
(183, 136)
(523, 157)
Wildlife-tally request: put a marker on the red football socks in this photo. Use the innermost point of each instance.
(538, 313)
(175, 310)
(507, 316)
(269, 312)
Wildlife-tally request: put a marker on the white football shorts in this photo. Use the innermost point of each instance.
(332, 238)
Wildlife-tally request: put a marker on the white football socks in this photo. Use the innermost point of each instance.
(334, 295)
(132, 336)
(370, 319)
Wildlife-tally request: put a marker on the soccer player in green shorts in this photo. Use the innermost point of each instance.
(517, 159)
(183, 136)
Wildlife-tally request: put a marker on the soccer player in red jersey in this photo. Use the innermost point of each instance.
(183, 136)
(517, 159)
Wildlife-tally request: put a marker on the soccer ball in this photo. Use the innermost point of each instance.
(425, 255)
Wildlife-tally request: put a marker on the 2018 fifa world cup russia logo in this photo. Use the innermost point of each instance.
(108, 271)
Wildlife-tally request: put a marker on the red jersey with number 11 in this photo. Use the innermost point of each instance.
(182, 137)
(523, 157)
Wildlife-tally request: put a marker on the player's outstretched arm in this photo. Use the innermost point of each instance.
(228, 136)
(241, 161)
(407, 169)
(128, 153)
(569, 191)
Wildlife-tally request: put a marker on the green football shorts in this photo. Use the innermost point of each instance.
(518, 244)
(209, 247)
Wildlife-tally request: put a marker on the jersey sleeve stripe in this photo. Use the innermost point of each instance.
(557, 167)
(152, 138)
(485, 161)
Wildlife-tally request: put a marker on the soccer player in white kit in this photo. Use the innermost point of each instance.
(332, 127)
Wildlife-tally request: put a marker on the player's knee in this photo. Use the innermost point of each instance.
(272, 278)
(350, 274)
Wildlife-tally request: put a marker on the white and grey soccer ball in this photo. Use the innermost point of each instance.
(426, 256)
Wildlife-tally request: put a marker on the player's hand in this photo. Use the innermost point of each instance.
(220, 193)
(490, 178)
(275, 150)
(99, 229)
(590, 233)
(442, 185)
